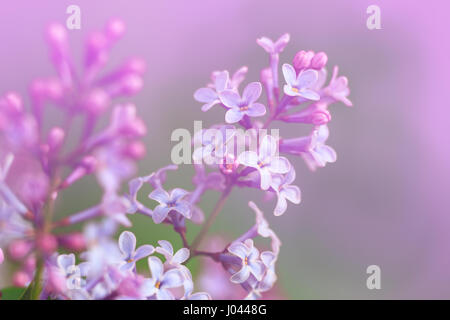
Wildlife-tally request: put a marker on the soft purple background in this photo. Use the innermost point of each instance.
(386, 200)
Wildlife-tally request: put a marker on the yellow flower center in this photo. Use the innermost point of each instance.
(246, 261)
(294, 89)
(157, 285)
(244, 108)
(130, 260)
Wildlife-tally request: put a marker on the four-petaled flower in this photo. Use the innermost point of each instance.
(319, 153)
(299, 86)
(209, 96)
(247, 105)
(127, 247)
(160, 282)
(281, 184)
(265, 161)
(249, 256)
(167, 202)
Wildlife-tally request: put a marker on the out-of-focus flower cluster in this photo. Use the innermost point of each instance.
(106, 268)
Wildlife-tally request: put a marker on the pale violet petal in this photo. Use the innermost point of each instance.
(289, 74)
(160, 195)
(279, 165)
(248, 158)
(160, 213)
(230, 98)
(256, 110)
(251, 92)
(181, 256)
(127, 243)
(156, 267)
(241, 276)
(143, 251)
(172, 279)
(233, 115)
(307, 78)
(205, 95)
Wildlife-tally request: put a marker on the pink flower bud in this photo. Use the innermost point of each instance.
(315, 114)
(47, 243)
(302, 60)
(55, 138)
(12, 103)
(125, 121)
(115, 28)
(57, 35)
(73, 241)
(230, 164)
(136, 150)
(30, 264)
(2, 257)
(21, 279)
(96, 101)
(319, 60)
(131, 84)
(19, 249)
(135, 65)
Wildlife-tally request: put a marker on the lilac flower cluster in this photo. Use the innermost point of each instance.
(106, 268)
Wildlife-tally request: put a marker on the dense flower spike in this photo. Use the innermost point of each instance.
(101, 267)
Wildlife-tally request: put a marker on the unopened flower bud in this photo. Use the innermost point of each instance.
(55, 138)
(73, 241)
(319, 60)
(19, 249)
(96, 101)
(302, 60)
(47, 243)
(21, 279)
(115, 28)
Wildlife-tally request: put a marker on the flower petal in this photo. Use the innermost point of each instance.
(160, 213)
(65, 261)
(200, 296)
(267, 147)
(233, 115)
(184, 208)
(230, 98)
(288, 90)
(160, 195)
(241, 276)
(172, 279)
(205, 95)
(266, 178)
(252, 92)
(281, 205)
(289, 74)
(127, 243)
(248, 158)
(238, 249)
(256, 110)
(177, 194)
(257, 269)
(156, 267)
(143, 251)
(292, 193)
(307, 78)
(266, 43)
(163, 294)
(209, 105)
(309, 94)
(181, 256)
(221, 80)
(165, 249)
(279, 165)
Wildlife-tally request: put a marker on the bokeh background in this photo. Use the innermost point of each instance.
(384, 202)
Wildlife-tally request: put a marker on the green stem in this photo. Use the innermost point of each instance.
(218, 207)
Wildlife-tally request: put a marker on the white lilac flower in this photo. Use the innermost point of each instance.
(300, 85)
(212, 144)
(167, 202)
(251, 265)
(74, 274)
(274, 47)
(265, 161)
(160, 282)
(267, 282)
(209, 96)
(338, 88)
(281, 184)
(245, 105)
(127, 246)
(319, 154)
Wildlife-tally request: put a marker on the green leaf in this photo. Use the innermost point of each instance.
(12, 293)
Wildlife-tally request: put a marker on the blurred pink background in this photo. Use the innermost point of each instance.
(385, 201)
